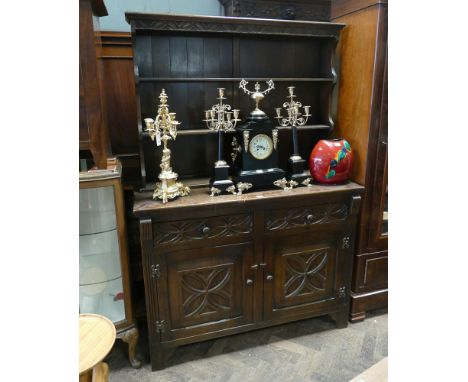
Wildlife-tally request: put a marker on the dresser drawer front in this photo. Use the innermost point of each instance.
(202, 229)
(298, 217)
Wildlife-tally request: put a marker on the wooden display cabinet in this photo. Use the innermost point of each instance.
(219, 266)
(362, 120)
(104, 275)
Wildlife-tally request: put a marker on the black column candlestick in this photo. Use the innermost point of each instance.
(219, 118)
(295, 118)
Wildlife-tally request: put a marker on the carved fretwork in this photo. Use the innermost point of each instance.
(207, 291)
(298, 217)
(305, 273)
(315, 11)
(202, 24)
(202, 229)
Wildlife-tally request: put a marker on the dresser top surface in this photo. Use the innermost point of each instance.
(200, 198)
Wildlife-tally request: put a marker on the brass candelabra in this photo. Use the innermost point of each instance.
(220, 118)
(257, 96)
(295, 118)
(164, 128)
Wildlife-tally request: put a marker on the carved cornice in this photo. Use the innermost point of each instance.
(164, 22)
(316, 10)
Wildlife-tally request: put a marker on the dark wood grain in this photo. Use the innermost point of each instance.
(316, 10)
(222, 269)
(93, 132)
(191, 56)
(362, 120)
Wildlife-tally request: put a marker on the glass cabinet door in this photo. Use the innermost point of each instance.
(101, 286)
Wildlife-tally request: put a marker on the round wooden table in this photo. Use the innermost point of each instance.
(97, 336)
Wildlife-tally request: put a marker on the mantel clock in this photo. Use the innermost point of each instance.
(255, 148)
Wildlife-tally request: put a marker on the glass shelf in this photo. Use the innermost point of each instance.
(101, 285)
(103, 298)
(97, 210)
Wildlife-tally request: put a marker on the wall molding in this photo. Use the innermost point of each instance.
(116, 45)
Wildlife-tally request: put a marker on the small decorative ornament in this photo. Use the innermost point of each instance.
(241, 187)
(164, 128)
(331, 161)
(214, 191)
(257, 96)
(285, 184)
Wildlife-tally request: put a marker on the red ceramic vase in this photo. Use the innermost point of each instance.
(331, 160)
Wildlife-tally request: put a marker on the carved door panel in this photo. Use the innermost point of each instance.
(206, 289)
(300, 273)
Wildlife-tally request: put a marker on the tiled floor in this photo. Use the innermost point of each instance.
(309, 350)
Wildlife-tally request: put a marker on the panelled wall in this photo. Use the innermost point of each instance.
(119, 93)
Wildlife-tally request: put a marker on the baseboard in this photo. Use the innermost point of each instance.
(363, 302)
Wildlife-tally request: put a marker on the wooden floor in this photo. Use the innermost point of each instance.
(309, 350)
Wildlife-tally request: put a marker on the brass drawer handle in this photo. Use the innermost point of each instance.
(206, 230)
(249, 282)
(309, 218)
(269, 277)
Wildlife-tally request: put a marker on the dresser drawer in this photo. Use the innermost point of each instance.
(201, 229)
(297, 217)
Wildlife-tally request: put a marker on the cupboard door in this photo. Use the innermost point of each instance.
(300, 275)
(206, 289)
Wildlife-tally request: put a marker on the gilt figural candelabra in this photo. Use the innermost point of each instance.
(164, 128)
(295, 118)
(220, 118)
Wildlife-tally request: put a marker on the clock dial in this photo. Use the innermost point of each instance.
(261, 146)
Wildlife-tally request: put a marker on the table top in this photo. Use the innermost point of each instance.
(199, 197)
(97, 336)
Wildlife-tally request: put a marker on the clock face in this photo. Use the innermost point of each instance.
(261, 146)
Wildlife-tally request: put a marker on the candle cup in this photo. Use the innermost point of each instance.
(221, 92)
(229, 115)
(207, 114)
(236, 113)
(278, 112)
(149, 122)
(307, 110)
(291, 90)
(213, 114)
